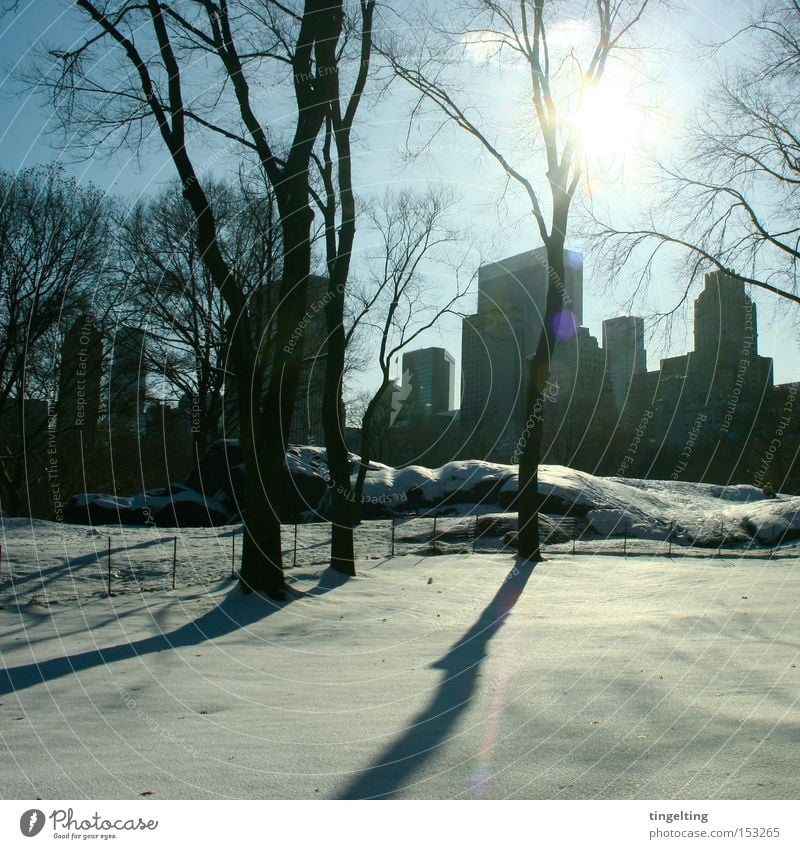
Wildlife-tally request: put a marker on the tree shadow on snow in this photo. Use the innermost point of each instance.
(433, 726)
(235, 611)
(35, 578)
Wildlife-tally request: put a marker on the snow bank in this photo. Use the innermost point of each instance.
(697, 513)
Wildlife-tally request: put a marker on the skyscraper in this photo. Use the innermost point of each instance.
(578, 410)
(498, 340)
(80, 378)
(623, 343)
(429, 377)
(127, 379)
(79, 394)
(708, 399)
(306, 428)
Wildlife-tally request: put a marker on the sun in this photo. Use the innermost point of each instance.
(610, 124)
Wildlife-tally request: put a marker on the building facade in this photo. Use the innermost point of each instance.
(702, 413)
(429, 381)
(127, 380)
(578, 415)
(623, 343)
(497, 342)
(307, 417)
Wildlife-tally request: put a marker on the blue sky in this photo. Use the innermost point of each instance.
(493, 231)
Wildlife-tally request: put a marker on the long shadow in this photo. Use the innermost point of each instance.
(234, 612)
(22, 577)
(432, 727)
(329, 580)
(101, 554)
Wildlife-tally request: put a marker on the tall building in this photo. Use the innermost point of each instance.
(79, 398)
(429, 381)
(578, 410)
(307, 417)
(623, 343)
(520, 282)
(498, 340)
(702, 407)
(127, 381)
(725, 320)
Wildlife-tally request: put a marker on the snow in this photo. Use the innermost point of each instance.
(685, 512)
(450, 676)
(148, 500)
(647, 509)
(425, 677)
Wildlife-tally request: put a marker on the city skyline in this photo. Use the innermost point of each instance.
(30, 137)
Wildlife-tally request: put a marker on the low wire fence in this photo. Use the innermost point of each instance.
(70, 562)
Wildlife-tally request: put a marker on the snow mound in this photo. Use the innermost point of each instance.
(687, 512)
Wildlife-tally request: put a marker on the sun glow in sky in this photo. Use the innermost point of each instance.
(613, 121)
(609, 123)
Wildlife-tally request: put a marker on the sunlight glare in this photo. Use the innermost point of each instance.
(610, 125)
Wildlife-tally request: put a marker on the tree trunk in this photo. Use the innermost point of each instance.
(267, 426)
(366, 448)
(342, 553)
(338, 128)
(262, 552)
(537, 375)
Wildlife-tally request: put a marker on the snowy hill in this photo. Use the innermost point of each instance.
(694, 513)
(647, 509)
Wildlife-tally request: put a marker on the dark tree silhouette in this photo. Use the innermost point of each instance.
(166, 288)
(338, 206)
(189, 71)
(54, 242)
(558, 81)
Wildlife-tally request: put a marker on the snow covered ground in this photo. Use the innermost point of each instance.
(455, 676)
(51, 563)
(450, 676)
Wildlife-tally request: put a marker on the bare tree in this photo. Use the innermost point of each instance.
(190, 71)
(54, 241)
(559, 79)
(167, 290)
(397, 303)
(338, 207)
(732, 198)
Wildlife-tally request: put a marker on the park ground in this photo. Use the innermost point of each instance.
(457, 676)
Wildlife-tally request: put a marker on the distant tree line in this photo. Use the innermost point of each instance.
(117, 370)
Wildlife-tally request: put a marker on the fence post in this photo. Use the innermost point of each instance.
(174, 559)
(475, 533)
(393, 520)
(669, 537)
(433, 541)
(625, 542)
(1, 561)
(233, 553)
(294, 556)
(721, 536)
(109, 564)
